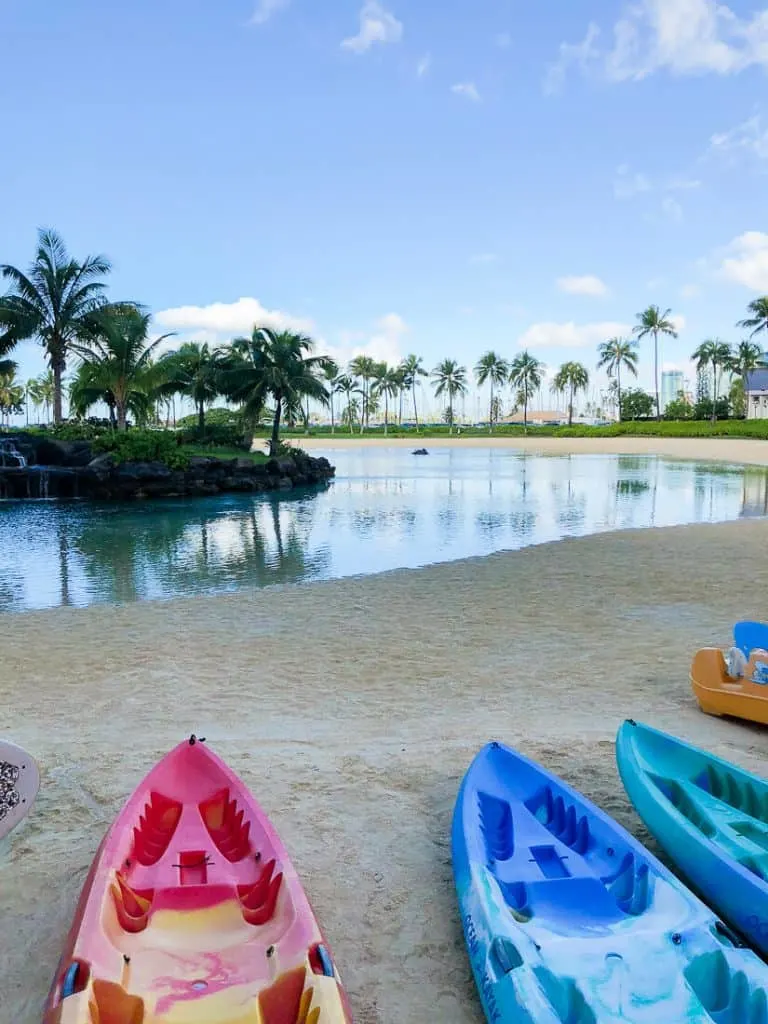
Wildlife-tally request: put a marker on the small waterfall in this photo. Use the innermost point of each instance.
(8, 450)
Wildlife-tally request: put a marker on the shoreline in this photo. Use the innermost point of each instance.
(705, 449)
(351, 709)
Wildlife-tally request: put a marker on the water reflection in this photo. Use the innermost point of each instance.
(385, 510)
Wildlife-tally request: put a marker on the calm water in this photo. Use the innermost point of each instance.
(386, 509)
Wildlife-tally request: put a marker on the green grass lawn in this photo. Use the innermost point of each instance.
(757, 429)
(223, 453)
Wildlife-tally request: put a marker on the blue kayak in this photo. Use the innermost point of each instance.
(569, 920)
(709, 816)
(750, 636)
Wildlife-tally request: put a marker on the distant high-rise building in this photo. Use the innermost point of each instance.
(671, 385)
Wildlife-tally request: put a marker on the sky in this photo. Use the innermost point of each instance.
(398, 176)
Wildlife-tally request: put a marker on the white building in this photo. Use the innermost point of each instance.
(757, 395)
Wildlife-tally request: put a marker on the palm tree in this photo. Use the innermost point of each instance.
(615, 354)
(571, 378)
(11, 397)
(525, 375)
(411, 370)
(193, 370)
(7, 366)
(652, 321)
(364, 367)
(331, 375)
(40, 390)
(757, 320)
(347, 385)
(273, 364)
(53, 302)
(449, 379)
(495, 370)
(387, 383)
(747, 357)
(720, 355)
(117, 362)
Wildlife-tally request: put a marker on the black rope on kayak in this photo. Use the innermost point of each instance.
(126, 958)
(204, 863)
(195, 739)
(270, 952)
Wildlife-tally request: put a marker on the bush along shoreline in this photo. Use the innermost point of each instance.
(144, 464)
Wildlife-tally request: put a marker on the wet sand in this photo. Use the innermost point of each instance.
(352, 708)
(715, 449)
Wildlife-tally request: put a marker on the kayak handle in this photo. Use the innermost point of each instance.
(725, 932)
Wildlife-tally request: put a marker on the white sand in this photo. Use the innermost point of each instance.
(352, 708)
(704, 449)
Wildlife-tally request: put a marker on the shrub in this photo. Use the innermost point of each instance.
(144, 446)
(216, 436)
(219, 416)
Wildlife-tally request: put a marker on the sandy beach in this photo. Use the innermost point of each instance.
(352, 708)
(706, 449)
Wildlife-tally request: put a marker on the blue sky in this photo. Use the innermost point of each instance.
(441, 178)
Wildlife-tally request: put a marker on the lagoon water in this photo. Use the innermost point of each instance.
(387, 509)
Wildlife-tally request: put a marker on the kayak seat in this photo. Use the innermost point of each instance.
(725, 994)
(157, 825)
(226, 827)
(561, 818)
(738, 794)
(686, 803)
(258, 901)
(111, 1004)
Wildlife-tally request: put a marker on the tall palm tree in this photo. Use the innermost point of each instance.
(747, 357)
(193, 370)
(7, 366)
(491, 368)
(387, 383)
(411, 370)
(53, 302)
(615, 354)
(347, 385)
(757, 321)
(720, 355)
(117, 361)
(652, 321)
(364, 367)
(570, 379)
(331, 376)
(277, 365)
(11, 396)
(40, 390)
(525, 375)
(449, 379)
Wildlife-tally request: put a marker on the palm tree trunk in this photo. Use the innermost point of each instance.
(386, 413)
(490, 418)
(201, 417)
(570, 407)
(121, 416)
(656, 372)
(275, 439)
(400, 414)
(57, 404)
(450, 412)
(714, 392)
(618, 389)
(525, 409)
(415, 412)
(333, 426)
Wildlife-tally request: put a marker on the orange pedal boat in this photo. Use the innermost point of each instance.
(193, 914)
(737, 687)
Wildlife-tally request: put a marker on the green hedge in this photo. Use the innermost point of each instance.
(144, 446)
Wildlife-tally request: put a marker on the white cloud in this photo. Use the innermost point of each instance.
(678, 322)
(629, 183)
(467, 89)
(587, 284)
(683, 37)
(223, 320)
(683, 184)
(424, 65)
(483, 257)
(746, 261)
(504, 40)
(749, 138)
(266, 8)
(377, 25)
(383, 343)
(689, 291)
(570, 335)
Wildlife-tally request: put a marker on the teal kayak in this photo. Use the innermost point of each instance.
(709, 816)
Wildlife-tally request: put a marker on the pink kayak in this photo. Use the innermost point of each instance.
(193, 914)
